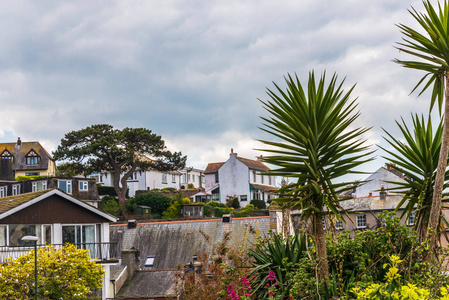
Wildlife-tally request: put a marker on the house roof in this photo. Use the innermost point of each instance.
(12, 204)
(253, 164)
(164, 284)
(213, 167)
(263, 187)
(20, 151)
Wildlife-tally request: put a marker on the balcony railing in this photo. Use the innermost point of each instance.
(99, 251)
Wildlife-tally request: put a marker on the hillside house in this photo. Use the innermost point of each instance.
(25, 159)
(241, 177)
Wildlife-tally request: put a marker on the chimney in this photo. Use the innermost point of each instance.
(259, 158)
(382, 194)
(232, 153)
(232, 150)
(19, 142)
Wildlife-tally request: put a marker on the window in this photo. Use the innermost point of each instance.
(361, 221)
(164, 178)
(243, 198)
(135, 175)
(411, 219)
(193, 178)
(38, 186)
(338, 225)
(173, 178)
(65, 186)
(3, 236)
(32, 158)
(83, 186)
(216, 177)
(189, 177)
(254, 176)
(83, 236)
(269, 179)
(6, 155)
(149, 262)
(46, 234)
(256, 195)
(16, 189)
(3, 191)
(183, 178)
(101, 178)
(18, 231)
(261, 178)
(33, 174)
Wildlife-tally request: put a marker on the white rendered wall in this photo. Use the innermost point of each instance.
(376, 181)
(233, 179)
(154, 180)
(210, 183)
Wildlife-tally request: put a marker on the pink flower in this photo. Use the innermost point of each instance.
(231, 293)
(268, 284)
(271, 275)
(271, 293)
(275, 284)
(248, 295)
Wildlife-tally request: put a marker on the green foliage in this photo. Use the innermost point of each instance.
(215, 204)
(190, 186)
(279, 255)
(67, 169)
(235, 203)
(209, 208)
(246, 211)
(417, 157)
(157, 201)
(24, 178)
(102, 148)
(259, 204)
(110, 205)
(220, 211)
(169, 189)
(67, 273)
(174, 210)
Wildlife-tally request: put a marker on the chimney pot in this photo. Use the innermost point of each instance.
(19, 142)
(232, 150)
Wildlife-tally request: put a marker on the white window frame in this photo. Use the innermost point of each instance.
(243, 198)
(69, 186)
(269, 180)
(43, 233)
(16, 189)
(173, 178)
(361, 221)
(164, 178)
(34, 186)
(338, 225)
(254, 176)
(83, 186)
(261, 178)
(3, 191)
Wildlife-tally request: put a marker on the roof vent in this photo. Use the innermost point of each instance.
(226, 218)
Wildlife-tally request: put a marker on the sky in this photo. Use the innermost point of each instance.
(193, 71)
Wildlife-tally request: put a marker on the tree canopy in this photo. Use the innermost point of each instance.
(102, 148)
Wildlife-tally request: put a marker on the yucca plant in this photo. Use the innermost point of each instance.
(417, 158)
(277, 254)
(314, 143)
(432, 51)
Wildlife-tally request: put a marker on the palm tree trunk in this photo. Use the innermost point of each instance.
(435, 210)
(318, 230)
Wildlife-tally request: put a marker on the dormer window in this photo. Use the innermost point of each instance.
(6, 154)
(32, 158)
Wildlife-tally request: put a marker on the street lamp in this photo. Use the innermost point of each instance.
(30, 238)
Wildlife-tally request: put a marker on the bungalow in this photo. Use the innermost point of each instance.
(56, 218)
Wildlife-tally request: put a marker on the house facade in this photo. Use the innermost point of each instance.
(56, 218)
(152, 179)
(240, 177)
(25, 159)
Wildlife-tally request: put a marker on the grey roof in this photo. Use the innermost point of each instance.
(152, 283)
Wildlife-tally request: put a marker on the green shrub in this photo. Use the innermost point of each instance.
(220, 211)
(246, 211)
(174, 210)
(170, 189)
(235, 203)
(190, 186)
(23, 178)
(110, 205)
(157, 201)
(215, 204)
(260, 204)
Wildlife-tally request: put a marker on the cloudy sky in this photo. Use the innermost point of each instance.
(192, 71)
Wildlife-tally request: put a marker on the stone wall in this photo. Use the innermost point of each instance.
(174, 243)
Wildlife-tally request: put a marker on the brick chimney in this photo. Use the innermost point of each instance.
(232, 154)
(18, 144)
(382, 194)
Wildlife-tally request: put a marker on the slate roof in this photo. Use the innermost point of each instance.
(20, 151)
(149, 284)
(253, 164)
(213, 167)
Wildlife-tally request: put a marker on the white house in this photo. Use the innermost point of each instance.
(382, 178)
(241, 177)
(152, 179)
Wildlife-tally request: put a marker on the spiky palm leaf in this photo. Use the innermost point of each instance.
(417, 158)
(314, 144)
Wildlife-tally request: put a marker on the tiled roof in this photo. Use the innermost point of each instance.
(10, 202)
(213, 167)
(253, 164)
(20, 151)
(264, 187)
